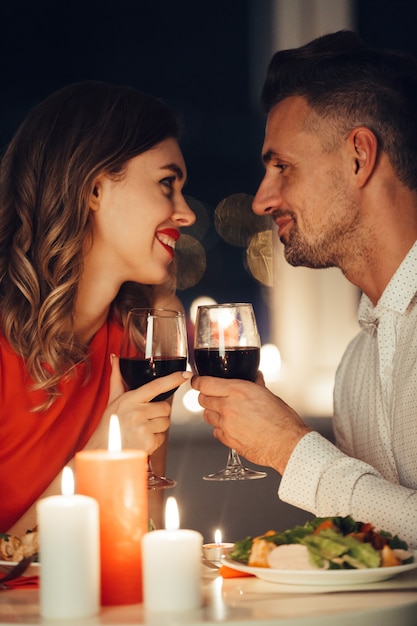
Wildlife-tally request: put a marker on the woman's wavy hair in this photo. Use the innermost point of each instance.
(46, 180)
(347, 84)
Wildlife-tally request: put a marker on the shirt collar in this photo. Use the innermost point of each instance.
(397, 295)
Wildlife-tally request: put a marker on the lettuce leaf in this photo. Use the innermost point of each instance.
(344, 552)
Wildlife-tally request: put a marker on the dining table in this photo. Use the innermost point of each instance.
(248, 600)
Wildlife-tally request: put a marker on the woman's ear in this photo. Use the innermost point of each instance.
(364, 150)
(95, 196)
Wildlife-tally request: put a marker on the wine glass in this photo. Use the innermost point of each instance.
(227, 345)
(154, 344)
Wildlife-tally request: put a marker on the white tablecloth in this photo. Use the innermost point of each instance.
(245, 601)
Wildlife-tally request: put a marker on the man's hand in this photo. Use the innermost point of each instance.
(246, 416)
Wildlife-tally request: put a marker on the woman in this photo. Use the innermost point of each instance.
(90, 209)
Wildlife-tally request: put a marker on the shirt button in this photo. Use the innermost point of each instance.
(387, 370)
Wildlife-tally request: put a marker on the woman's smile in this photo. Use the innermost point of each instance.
(168, 237)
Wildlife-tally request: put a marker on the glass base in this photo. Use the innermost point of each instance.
(235, 473)
(234, 470)
(160, 482)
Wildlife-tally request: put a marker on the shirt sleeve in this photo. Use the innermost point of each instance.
(321, 479)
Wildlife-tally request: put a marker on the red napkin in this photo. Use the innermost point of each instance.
(228, 572)
(22, 582)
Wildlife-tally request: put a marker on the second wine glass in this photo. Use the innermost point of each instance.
(227, 345)
(154, 344)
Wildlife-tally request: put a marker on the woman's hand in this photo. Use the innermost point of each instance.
(143, 423)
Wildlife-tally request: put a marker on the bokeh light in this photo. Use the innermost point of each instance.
(239, 226)
(259, 257)
(202, 300)
(190, 401)
(270, 364)
(191, 261)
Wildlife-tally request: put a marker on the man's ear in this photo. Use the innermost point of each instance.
(363, 146)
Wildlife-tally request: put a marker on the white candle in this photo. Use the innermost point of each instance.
(172, 565)
(69, 553)
(216, 551)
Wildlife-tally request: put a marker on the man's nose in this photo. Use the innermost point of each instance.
(267, 198)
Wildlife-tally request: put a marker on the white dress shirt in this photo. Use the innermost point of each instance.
(372, 473)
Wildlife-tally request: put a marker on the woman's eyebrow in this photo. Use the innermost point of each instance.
(174, 168)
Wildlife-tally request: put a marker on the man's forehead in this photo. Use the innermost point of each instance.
(290, 112)
(285, 121)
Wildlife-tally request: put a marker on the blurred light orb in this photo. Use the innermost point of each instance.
(191, 261)
(234, 219)
(202, 300)
(270, 364)
(259, 257)
(190, 401)
(201, 226)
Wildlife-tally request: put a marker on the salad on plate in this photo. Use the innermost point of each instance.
(329, 543)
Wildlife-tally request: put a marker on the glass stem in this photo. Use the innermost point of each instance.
(233, 460)
(150, 470)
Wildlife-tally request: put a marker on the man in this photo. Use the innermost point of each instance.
(340, 155)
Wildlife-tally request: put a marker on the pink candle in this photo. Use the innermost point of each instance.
(117, 479)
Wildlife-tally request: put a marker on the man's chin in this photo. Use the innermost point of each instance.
(313, 265)
(296, 258)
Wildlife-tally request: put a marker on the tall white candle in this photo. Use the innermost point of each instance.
(172, 565)
(69, 553)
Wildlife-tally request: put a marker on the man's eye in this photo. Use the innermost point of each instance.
(281, 166)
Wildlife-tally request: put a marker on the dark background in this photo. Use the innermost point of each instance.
(196, 56)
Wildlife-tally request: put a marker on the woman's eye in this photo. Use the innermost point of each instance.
(168, 182)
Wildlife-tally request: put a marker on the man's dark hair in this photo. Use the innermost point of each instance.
(348, 83)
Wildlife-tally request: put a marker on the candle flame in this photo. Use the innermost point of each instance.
(115, 439)
(67, 482)
(217, 537)
(172, 519)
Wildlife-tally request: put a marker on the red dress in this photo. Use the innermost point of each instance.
(35, 446)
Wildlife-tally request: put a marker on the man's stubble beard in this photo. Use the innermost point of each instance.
(300, 253)
(334, 248)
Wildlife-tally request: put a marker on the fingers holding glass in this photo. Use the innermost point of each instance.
(227, 345)
(154, 344)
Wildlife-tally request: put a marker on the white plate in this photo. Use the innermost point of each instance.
(10, 564)
(323, 577)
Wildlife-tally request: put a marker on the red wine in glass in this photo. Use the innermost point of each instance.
(232, 363)
(154, 344)
(138, 372)
(227, 345)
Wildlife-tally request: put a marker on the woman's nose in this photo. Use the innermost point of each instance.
(183, 214)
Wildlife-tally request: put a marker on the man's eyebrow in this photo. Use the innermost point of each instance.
(174, 168)
(267, 156)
